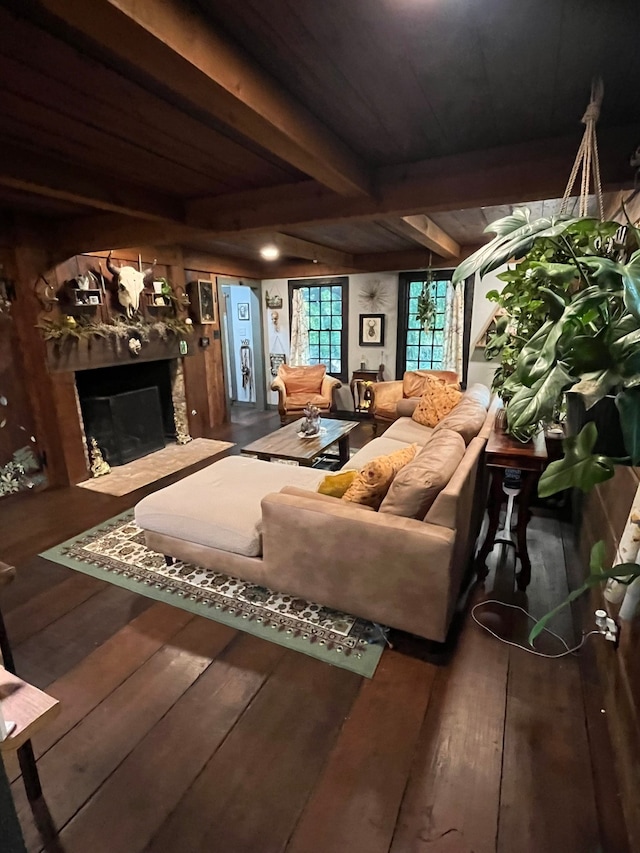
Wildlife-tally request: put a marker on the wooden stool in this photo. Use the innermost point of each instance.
(28, 706)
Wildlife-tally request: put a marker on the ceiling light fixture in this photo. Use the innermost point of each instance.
(270, 253)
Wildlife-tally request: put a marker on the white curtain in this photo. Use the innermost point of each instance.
(453, 329)
(299, 353)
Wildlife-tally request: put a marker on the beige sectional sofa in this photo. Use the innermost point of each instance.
(265, 523)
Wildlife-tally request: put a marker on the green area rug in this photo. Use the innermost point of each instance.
(115, 551)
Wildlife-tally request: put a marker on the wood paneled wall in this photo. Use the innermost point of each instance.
(604, 516)
(50, 404)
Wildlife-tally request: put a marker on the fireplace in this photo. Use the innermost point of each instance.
(128, 409)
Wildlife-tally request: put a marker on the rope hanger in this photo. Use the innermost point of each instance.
(587, 157)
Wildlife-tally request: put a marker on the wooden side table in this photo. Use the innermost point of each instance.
(360, 381)
(24, 704)
(501, 454)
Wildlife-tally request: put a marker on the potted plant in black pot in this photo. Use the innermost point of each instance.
(574, 300)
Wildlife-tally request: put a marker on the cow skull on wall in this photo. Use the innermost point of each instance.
(131, 283)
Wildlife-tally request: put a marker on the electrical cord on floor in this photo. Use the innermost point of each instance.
(569, 651)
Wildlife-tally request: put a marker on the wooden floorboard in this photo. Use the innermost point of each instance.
(263, 773)
(177, 734)
(355, 804)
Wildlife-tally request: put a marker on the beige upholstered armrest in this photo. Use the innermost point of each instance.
(306, 494)
(382, 567)
(384, 396)
(278, 385)
(329, 385)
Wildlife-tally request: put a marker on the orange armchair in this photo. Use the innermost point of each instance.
(398, 398)
(298, 386)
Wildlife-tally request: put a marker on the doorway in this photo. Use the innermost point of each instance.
(242, 349)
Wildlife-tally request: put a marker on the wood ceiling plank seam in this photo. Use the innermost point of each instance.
(461, 99)
(70, 108)
(522, 86)
(342, 82)
(173, 45)
(391, 24)
(143, 161)
(67, 148)
(390, 114)
(90, 77)
(602, 39)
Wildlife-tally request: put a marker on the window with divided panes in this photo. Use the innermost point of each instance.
(327, 312)
(417, 349)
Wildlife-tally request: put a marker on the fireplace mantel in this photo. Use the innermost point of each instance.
(73, 355)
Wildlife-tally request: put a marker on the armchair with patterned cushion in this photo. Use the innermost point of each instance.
(399, 398)
(298, 386)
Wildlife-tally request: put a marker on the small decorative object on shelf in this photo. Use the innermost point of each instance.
(203, 300)
(311, 422)
(274, 301)
(99, 467)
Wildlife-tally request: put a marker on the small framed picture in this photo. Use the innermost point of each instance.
(371, 330)
(203, 300)
(243, 311)
(94, 300)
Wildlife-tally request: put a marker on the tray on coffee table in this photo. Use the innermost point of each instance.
(285, 443)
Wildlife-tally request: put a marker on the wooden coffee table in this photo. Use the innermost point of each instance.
(284, 443)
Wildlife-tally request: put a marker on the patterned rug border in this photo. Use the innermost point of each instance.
(339, 651)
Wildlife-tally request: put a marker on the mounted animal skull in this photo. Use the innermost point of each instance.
(131, 283)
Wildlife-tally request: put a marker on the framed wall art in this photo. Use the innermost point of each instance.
(243, 311)
(371, 330)
(203, 301)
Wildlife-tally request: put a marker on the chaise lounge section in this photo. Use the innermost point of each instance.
(267, 524)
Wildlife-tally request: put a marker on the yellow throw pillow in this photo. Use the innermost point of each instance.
(436, 402)
(335, 485)
(372, 483)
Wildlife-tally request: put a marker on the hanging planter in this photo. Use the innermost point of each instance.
(426, 311)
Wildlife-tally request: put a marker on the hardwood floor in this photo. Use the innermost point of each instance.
(178, 734)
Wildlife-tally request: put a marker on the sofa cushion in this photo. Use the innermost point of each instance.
(372, 483)
(381, 446)
(300, 399)
(417, 485)
(219, 506)
(467, 418)
(436, 402)
(306, 379)
(408, 431)
(414, 381)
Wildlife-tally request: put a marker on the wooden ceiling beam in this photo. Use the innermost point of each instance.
(412, 259)
(296, 247)
(26, 171)
(424, 231)
(183, 53)
(508, 175)
(529, 171)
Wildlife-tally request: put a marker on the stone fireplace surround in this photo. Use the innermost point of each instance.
(73, 367)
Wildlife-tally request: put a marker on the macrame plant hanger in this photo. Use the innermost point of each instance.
(587, 158)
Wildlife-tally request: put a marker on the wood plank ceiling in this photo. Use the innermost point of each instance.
(352, 134)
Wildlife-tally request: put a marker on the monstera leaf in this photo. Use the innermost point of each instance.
(631, 279)
(529, 406)
(625, 573)
(579, 468)
(515, 236)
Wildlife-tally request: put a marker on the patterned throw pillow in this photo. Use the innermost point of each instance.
(335, 485)
(437, 401)
(372, 483)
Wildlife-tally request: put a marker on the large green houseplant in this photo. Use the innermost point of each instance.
(574, 302)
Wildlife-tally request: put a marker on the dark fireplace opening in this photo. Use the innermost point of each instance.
(127, 409)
